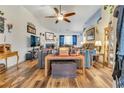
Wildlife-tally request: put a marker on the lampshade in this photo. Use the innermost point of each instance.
(98, 43)
(81, 43)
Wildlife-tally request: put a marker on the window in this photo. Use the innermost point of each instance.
(68, 40)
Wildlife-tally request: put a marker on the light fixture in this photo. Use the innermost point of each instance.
(109, 8)
(81, 43)
(9, 26)
(41, 34)
(1, 13)
(60, 17)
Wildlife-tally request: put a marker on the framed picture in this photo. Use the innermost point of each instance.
(31, 28)
(90, 34)
(49, 36)
(1, 25)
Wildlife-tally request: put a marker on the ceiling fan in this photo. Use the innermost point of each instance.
(61, 16)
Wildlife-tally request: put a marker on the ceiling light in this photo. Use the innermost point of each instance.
(60, 17)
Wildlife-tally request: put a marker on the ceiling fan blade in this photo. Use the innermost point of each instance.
(56, 10)
(69, 14)
(67, 20)
(50, 16)
(57, 21)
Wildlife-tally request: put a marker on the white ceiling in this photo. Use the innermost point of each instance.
(83, 12)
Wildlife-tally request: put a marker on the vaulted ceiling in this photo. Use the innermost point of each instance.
(83, 12)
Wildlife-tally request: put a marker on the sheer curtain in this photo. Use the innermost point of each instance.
(68, 40)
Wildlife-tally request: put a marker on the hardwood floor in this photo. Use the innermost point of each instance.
(29, 76)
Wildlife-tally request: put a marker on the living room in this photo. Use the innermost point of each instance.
(34, 38)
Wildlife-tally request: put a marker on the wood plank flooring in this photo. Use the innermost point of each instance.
(29, 76)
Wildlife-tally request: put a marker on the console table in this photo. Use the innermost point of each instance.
(70, 57)
(9, 54)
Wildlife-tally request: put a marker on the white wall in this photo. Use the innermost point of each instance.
(19, 16)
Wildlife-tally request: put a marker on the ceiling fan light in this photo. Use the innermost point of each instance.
(60, 17)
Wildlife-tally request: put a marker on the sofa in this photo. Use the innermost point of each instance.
(41, 58)
(44, 52)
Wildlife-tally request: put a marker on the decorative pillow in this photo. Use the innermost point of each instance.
(64, 51)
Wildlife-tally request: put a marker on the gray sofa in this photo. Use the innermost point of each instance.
(41, 59)
(43, 53)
